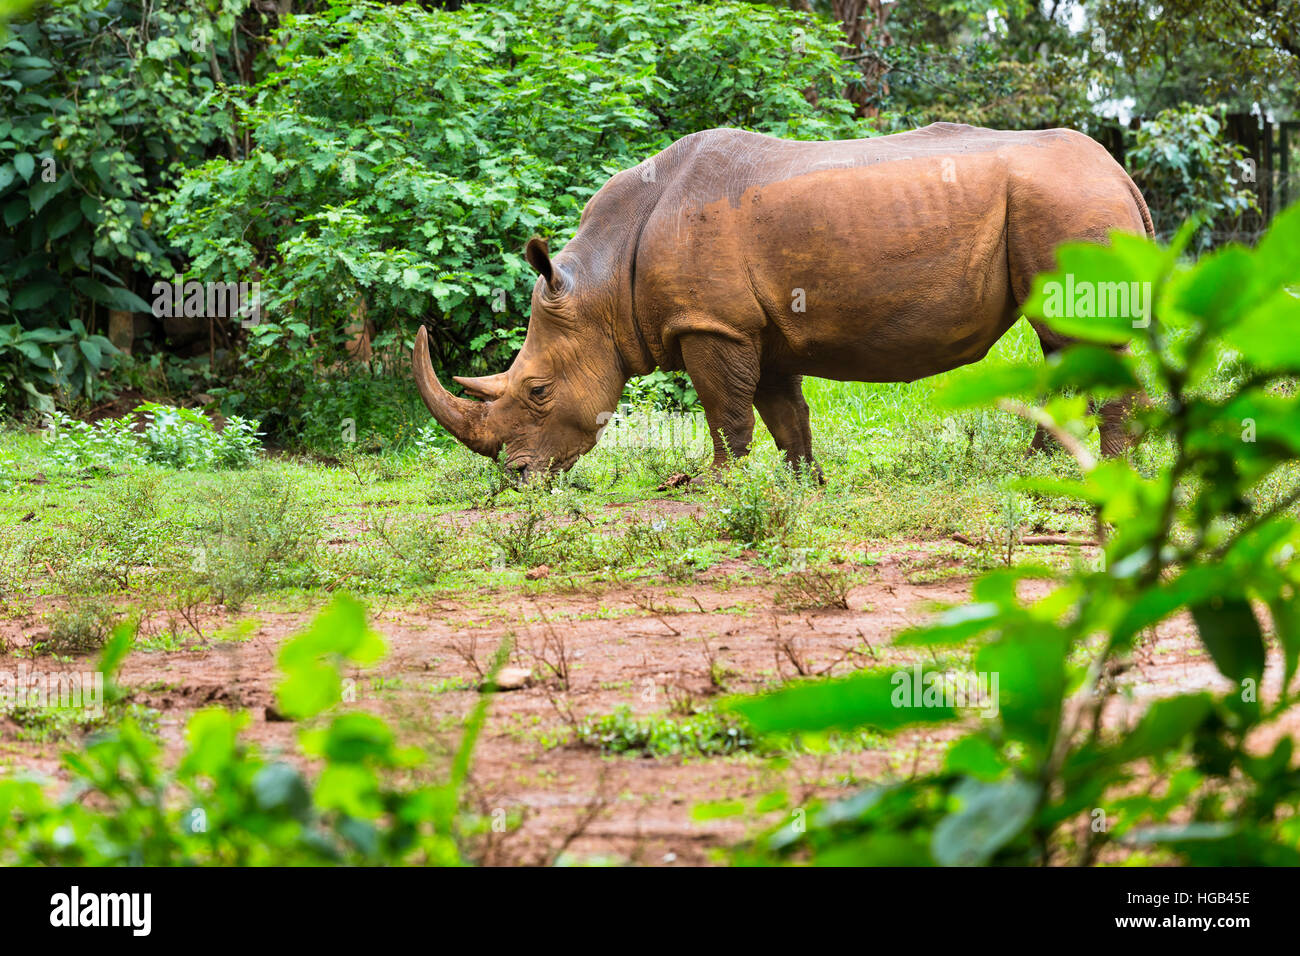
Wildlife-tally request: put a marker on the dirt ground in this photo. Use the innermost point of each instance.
(650, 649)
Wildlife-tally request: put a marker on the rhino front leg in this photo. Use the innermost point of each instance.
(780, 402)
(725, 376)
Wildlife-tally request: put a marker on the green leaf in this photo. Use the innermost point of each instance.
(312, 683)
(114, 298)
(1286, 623)
(1231, 634)
(68, 220)
(1100, 293)
(975, 756)
(279, 786)
(36, 295)
(1029, 667)
(1165, 723)
(16, 211)
(116, 649)
(990, 815)
(880, 701)
(94, 355)
(25, 165)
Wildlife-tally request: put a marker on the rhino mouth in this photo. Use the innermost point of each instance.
(523, 467)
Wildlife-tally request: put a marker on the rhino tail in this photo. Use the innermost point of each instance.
(1142, 207)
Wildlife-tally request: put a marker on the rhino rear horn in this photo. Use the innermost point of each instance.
(466, 420)
(488, 387)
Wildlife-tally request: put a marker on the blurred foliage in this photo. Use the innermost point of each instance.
(226, 803)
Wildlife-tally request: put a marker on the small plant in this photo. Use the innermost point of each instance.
(80, 629)
(178, 438)
(758, 501)
(551, 526)
(706, 734)
(819, 587)
(257, 535)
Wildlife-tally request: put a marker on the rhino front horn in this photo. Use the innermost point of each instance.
(463, 418)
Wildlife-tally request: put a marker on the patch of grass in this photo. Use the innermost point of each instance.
(703, 734)
(50, 724)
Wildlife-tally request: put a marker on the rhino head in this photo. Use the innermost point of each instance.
(548, 408)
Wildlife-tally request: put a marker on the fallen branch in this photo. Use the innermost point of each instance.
(1033, 539)
(1059, 539)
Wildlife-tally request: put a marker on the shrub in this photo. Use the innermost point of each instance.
(1190, 171)
(179, 438)
(757, 501)
(81, 629)
(101, 105)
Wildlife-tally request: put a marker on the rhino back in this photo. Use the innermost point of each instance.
(880, 259)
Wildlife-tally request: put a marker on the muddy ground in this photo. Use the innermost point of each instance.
(656, 650)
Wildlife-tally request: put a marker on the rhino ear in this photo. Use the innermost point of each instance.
(539, 257)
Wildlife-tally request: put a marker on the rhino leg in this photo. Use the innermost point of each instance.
(725, 375)
(780, 402)
(1113, 414)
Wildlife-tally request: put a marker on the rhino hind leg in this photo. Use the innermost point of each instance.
(1113, 414)
(781, 404)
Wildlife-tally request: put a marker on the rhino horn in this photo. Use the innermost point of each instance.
(487, 387)
(463, 418)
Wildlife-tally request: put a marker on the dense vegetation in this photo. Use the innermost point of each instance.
(378, 166)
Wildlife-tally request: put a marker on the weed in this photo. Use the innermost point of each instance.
(80, 629)
(817, 587)
(759, 501)
(705, 734)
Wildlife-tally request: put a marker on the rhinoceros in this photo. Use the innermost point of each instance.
(751, 261)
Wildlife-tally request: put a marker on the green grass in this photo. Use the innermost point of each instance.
(434, 521)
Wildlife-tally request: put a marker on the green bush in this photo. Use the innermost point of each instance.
(761, 501)
(101, 106)
(1202, 778)
(403, 156)
(1189, 170)
(57, 360)
(180, 438)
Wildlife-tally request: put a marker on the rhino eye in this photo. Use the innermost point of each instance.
(538, 391)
